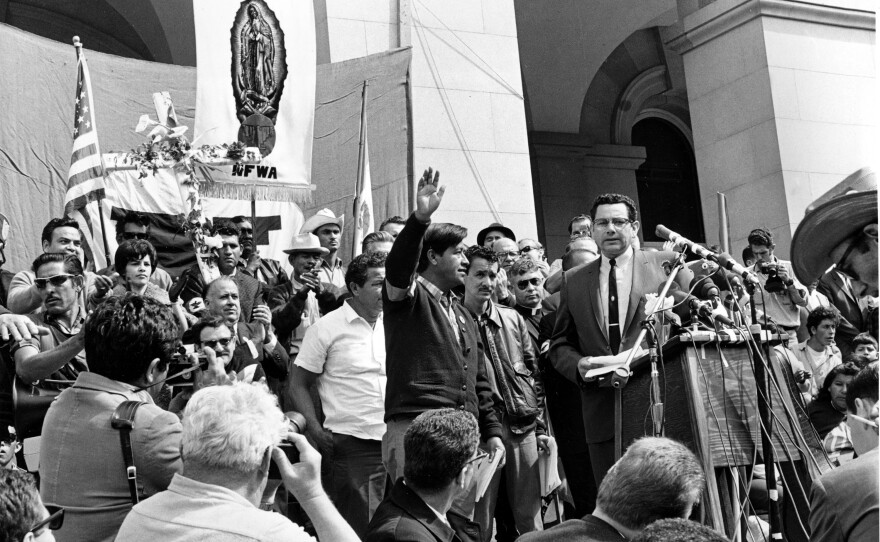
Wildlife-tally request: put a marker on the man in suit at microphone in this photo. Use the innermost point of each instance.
(601, 307)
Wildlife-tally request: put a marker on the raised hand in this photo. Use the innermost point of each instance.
(429, 195)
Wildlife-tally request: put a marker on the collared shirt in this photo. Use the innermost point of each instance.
(624, 285)
(310, 314)
(449, 298)
(333, 273)
(348, 354)
(779, 306)
(190, 510)
(817, 363)
(58, 333)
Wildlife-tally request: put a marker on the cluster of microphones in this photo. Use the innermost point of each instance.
(716, 284)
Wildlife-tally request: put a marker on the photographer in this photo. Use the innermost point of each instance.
(129, 342)
(782, 293)
(230, 439)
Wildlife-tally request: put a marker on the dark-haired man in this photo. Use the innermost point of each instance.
(432, 345)
(23, 517)
(328, 229)
(781, 297)
(61, 236)
(844, 501)
(601, 306)
(135, 225)
(393, 225)
(266, 270)
(818, 354)
(59, 355)
(377, 241)
(344, 354)
(191, 283)
(129, 342)
(512, 370)
(657, 478)
(442, 457)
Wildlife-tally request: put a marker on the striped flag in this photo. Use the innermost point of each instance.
(85, 180)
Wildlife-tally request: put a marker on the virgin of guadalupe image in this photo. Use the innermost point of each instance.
(257, 59)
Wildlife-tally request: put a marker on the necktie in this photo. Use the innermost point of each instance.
(613, 313)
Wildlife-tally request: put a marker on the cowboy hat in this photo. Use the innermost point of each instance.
(322, 218)
(495, 226)
(306, 242)
(830, 220)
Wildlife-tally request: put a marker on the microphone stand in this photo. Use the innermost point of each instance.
(764, 407)
(621, 374)
(657, 403)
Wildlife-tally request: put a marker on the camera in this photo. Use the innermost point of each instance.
(179, 364)
(290, 452)
(774, 284)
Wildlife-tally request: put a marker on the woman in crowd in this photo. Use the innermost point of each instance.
(829, 408)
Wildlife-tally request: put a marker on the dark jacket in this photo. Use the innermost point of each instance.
(517, 376)
(191, 284)
(853, 320)
(287, 302)
(270, 273)
(404, 517)
(588, 529)
(428, 366)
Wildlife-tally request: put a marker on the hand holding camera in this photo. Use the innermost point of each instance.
(299, 467)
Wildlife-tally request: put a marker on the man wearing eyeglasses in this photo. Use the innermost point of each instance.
(23, 517)
(600, 311)
(60, 236)
(135, 225)
(57, 357)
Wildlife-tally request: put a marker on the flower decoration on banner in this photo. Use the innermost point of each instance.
(168, 147)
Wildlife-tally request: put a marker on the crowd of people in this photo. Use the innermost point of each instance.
(367, 399)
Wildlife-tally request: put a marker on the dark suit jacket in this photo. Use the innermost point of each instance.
(853, 320)
(404, 517)
(580, 331)
(843, 502)
(588, 529)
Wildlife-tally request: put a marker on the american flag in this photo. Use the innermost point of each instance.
(85, 180)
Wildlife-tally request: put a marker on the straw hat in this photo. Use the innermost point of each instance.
(322, 218)
(306, 242)
(831, 219)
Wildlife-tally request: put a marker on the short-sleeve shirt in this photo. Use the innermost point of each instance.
(43, 343)
(349, 355)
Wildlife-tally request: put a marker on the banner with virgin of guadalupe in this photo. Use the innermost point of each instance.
(256, 84)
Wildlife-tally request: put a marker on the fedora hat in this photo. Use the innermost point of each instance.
(306, 242)
(322, 218)
(836, 215)
(495, 226)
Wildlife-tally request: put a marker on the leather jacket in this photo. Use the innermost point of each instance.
(517, 378)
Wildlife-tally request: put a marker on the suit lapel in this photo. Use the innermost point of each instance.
(635, 293)
(594, 287)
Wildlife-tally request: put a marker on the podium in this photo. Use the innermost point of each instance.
(707, 387)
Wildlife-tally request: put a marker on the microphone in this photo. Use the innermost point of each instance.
(665, 233)
(726, 261)
(705, 309)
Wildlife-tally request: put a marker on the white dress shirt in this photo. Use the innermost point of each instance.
(624, 285)
(348, 354)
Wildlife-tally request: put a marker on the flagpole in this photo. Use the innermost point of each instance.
(77, 45)
(362, 159)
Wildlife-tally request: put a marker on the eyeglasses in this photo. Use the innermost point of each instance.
(618, 223)
(508, 254)
(481, 455)
(528, 248)
(842, 264)
(213, 343)
(579, 234)
(534, 281)
(57, 280)
(54, 521)
(130, 235)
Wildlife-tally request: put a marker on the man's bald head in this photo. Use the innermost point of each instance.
(579, 252)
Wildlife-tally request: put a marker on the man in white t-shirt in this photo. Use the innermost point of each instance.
(818, 354)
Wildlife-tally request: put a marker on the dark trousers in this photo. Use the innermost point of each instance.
(357, 479)
(601, 459)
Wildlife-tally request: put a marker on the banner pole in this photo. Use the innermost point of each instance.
(77, 45)
(358, 228)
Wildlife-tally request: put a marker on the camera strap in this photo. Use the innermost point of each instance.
(123, 421)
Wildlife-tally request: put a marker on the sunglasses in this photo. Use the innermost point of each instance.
(529, 248)
(534, 281)
(54, 521)
(57, 280)
(130, 235)
(213, 343)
